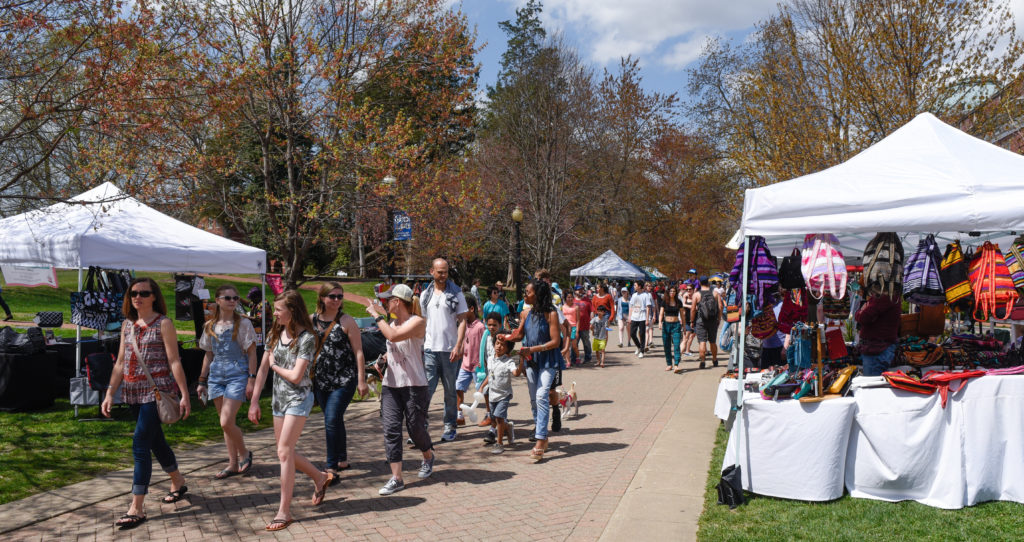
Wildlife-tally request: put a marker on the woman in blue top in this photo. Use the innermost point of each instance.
(540, 351)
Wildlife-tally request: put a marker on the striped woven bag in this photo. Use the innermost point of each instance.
(823, 266)
(921, 282)
(991, 284)
(953, 272)
(1015, 263)
(764, 275)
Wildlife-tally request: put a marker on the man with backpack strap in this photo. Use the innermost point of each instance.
(707, 306)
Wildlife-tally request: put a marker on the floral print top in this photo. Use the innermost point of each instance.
(335, 366)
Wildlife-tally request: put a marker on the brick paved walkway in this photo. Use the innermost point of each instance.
(473, 495)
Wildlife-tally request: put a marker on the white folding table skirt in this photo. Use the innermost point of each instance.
(889, 445)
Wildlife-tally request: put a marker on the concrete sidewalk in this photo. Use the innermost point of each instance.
(632, 465)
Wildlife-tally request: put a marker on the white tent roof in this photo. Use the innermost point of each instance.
(654, 272)
(609, 265)
(119, 232)
(926, 177)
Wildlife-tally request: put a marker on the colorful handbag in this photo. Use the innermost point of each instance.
(764, 325)
(794, 309)
(1015, 263)
(836, 344)
(763, 274)
(991, 284)
(902, 381)
(823, 266)
(922, 356)
(921, 282)
(883, 264)
(836, 309)
(943, 380)
(953, 272)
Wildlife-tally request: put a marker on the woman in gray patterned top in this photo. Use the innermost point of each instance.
(291, 345)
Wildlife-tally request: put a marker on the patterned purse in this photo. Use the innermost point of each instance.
(953, 272)
(921, 282)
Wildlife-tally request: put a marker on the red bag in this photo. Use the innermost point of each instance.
(991, 284)
(794, 309)
(836, 343)
(943, 379)
(900, 380)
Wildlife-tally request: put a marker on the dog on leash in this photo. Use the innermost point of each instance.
(568, 399)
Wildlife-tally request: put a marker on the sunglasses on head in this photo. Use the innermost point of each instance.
(229, 297)
(140, 293)
(335, 297)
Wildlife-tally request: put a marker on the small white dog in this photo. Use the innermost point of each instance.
(568, 399)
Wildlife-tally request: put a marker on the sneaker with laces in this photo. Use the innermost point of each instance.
(394, 485)
(511, 433)
(427, 467)
(497, 448)
(449, 433)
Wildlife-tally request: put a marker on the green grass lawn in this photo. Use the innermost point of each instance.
(765, 519)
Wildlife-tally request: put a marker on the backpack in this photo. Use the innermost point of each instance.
(953, 274)
(922, 284)
(707, 307)
(823, 266)
(790, 276)
(1015, 263)
(991, 284)
(883, 263)
(763, 274)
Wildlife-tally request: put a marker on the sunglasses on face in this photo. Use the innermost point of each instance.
(335, 297)
(229, 297)
(140, 293)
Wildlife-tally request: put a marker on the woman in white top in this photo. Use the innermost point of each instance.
(404, 394)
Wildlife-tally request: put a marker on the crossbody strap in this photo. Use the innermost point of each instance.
(138, 355)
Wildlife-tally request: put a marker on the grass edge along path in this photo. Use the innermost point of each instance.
(764, 519)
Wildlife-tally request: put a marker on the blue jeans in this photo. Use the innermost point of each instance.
(149, 439)
(671, 335)
(876, 364)
(539, 383)
(334, 403)
(447, 373)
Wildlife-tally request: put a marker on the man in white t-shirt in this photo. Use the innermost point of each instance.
(444, 307)
(640, 308)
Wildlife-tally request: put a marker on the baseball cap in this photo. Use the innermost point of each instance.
(400, 291)
(624, 289)
(694, 271)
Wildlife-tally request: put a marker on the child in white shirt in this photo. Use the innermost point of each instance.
(500, 371)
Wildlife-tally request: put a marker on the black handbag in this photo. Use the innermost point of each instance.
(49, 319)
(94, 308)
(790, 275)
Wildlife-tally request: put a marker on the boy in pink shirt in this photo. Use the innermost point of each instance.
(470, 354)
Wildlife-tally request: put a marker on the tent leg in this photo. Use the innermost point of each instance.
(740, 377)
(263, 313)
(78, 340)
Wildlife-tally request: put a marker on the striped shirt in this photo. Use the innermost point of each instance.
(136, 389)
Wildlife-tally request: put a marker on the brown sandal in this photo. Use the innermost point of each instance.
(279, 524)
(318, 496)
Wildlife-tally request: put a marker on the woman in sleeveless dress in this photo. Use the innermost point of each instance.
(541, 356)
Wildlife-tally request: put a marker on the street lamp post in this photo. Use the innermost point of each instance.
(389, 181)
(517, 218)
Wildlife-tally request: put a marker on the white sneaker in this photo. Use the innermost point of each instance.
(511, 433)
(636, 352)
(640, 355)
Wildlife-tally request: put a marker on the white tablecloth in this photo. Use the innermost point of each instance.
(791, 449)
(905, 446)
(726, 398)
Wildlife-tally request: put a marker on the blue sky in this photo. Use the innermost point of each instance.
(666, 35)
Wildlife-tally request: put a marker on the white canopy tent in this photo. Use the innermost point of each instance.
(105, 227)
(609, 265)
(926, 177)
(116, 231)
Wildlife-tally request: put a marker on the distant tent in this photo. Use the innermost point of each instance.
(653, 273)
(609, 265)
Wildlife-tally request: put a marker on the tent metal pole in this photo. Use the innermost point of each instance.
(263, 313)
(78, 338)
(740, 377)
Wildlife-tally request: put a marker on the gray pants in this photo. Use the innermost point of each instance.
(585, 339)
(409, 403)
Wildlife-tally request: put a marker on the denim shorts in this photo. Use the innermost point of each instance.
(231, 388)
(302, 409)
(464, 379)
(499, 409)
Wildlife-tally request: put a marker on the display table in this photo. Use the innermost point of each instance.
(725, 400)
(793, 450)
(905, 446)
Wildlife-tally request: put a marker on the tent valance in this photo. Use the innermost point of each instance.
(107, 228)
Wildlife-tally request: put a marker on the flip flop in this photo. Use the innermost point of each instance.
(176, 495)
(318, 495)
(279, 524)
(245, 465)
(225, 474)
(132, 522)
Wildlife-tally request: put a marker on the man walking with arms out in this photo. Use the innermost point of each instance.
(444, 306)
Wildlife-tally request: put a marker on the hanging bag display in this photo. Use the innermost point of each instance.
(91, 307)
(994, 294)
(953, 272)
(790, 276)
(823, 266)
(922, 284)
(763, 274)
(883, 264)
(764, 325)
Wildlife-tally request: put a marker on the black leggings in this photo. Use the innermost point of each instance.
(638, 331)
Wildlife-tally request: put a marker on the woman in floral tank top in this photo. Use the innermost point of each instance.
(291, 345)
(146, 326)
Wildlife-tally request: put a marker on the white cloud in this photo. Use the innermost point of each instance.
(670, 31)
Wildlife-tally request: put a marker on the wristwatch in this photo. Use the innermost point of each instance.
(378, 318)
(252, 375)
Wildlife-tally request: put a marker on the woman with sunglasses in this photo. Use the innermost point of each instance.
(291, 345)
(229, 373)
(339, 370)
(148, 334)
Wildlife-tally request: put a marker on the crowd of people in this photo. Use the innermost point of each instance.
(436, 333)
